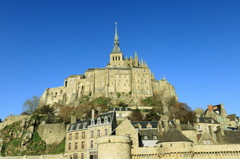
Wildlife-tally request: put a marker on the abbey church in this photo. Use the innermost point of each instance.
(128, 79)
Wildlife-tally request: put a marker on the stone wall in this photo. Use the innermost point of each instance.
(12, 119)
(52, 133)
(59, 156)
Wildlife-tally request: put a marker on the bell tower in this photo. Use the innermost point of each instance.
(116, 56)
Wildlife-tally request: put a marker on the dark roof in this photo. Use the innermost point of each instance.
(79, 125)
(229, 137)
(173, 135)
(85, 123)
(144, 123)
(150, 133)
(208, 120)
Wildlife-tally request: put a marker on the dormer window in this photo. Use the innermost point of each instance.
(105, 120)
(98, 121)
(84, 125)
(78, 126)
(71, 128)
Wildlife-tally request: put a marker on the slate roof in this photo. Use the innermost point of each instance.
(85, 123)
(173, 135)
(79, 125)
(144, 123)
(230, 137)
(150, 133)
(207, 120)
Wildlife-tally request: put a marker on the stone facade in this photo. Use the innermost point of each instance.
(81, 137)
(123, 78)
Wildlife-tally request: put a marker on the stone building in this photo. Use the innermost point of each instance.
(81, 137)
(123, 78)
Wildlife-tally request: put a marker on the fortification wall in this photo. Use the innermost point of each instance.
(12, 119)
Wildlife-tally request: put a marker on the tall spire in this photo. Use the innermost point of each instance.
(116, 48)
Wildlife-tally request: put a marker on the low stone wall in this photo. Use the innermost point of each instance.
(12, 119)
(38, 157)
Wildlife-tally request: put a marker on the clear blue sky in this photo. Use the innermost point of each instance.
(194, 43)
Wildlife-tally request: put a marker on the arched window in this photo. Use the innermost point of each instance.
(113, 58)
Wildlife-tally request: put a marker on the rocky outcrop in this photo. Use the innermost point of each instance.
(52, 133)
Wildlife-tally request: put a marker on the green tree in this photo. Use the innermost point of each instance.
(45, 109)
(152, 115)
(31, 105)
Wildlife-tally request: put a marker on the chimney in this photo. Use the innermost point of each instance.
(93, 114)
(92, 119)
(178, 125)
(210, 108)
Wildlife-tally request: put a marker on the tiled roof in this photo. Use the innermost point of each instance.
(230, 137)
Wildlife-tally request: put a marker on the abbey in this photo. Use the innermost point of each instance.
(129, 79)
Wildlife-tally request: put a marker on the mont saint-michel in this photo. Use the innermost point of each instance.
(123, 78)
(119, 112)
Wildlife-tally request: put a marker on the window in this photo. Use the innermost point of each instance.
(82, 155)
(83, 144)
(92, 133)
(76, 136)
(69, 146)
(98, 133)
(91, 143)
(83, 135)
(70, 136)
(105, 120)
(106, 132)
(76, 145)
(75, 156)
(72, 126)
(155, 137)
(145, 137)
(78, 126)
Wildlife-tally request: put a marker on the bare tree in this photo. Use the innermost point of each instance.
(31, 105)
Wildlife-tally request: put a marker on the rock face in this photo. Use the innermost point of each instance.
(126, 79)
(52, 133)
